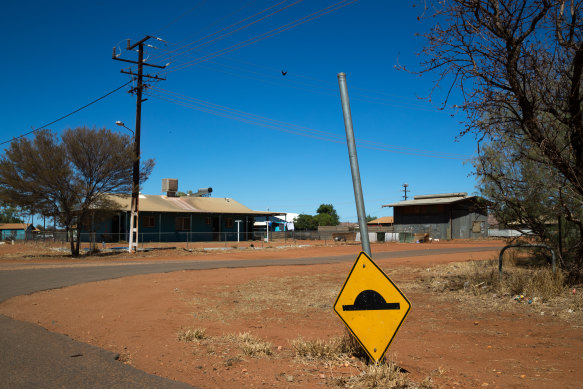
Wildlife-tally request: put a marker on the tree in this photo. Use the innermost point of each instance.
(184, 194)
(305, 222)
(68, 177)
(519, 67)
(370, 218)
(9, 214)
(327, 216)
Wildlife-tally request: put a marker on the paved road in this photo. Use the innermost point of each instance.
(32, 357)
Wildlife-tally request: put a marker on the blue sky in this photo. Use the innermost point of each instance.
(56, 58)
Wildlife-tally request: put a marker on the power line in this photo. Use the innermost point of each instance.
(67, 115)
(268, 34)
(253, 119)
(233, 31)
(333, 84)
(323, 90)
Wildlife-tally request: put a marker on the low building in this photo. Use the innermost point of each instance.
(442, 216)
(385, 221)
(16, 231)
(173, 219)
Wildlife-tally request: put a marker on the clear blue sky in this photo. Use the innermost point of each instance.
(56, 57)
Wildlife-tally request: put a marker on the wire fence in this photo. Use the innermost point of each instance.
(187, 236)
(60, 240)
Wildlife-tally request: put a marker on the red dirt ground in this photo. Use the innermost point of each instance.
(458, 345)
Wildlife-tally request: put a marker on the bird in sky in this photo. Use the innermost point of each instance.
(283, 73)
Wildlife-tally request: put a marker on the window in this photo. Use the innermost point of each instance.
(477, 227)
(182, 224)
(229, 222)
(148, 221)
(209, 220)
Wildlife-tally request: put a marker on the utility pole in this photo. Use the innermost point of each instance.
(405, 186)
(134, 220)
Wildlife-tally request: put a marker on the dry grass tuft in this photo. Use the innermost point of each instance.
(335, 348)
(190, 335)
(379, 375)
(250, 345)
(481, 277)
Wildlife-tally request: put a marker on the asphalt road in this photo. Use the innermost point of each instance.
(32, 357)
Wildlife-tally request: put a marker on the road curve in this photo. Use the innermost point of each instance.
(33, 357)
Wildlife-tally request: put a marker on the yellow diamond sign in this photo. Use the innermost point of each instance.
(371, 306)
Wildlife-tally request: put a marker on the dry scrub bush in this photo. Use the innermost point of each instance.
(480, 277)
(379, 375)
(190, 335)
(250, 345)
(541, 283)
(335, 348)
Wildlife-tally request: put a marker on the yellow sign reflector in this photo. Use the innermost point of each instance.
(371, 306)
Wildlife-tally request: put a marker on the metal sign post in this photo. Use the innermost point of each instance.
(354, 164)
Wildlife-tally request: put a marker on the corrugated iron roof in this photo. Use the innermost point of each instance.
(14, 226)
(443, 198)
(156, 203)
(382, 220)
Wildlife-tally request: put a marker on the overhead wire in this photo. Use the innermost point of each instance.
(233, 31)
(268, 34)
(249, 118)
(319, 80)
(324, 90)
(163, 57)
(67, 115)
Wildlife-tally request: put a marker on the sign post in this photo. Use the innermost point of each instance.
(354, 163)
(371, 306)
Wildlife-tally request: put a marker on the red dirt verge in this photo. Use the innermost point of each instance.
(444, 342)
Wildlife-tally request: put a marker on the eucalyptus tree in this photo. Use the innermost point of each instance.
(69, 176)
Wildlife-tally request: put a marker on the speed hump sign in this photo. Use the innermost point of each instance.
(371, 306)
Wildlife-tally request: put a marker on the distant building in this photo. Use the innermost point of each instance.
(385, 221)
(442, 216)
(16, 231)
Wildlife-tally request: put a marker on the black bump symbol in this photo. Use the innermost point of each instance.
(370, 300)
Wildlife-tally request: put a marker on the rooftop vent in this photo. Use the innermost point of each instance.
(170, 186)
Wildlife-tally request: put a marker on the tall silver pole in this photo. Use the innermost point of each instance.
(354, 164)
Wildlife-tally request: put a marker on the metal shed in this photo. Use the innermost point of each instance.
(442, 216)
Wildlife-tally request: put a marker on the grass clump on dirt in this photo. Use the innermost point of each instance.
(481, 277)
(379, 375)
(333, 349)
(191, 335)
(523, 282)
(250, 345)
(346, 350)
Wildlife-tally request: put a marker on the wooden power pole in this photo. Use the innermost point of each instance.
(134, 220)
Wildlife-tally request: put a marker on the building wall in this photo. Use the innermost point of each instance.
(460, 220)
(433, 220)
(164, 227)
(13, 234)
